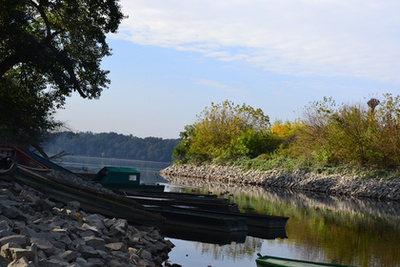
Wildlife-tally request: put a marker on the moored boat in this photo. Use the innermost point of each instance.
(213, 204)
(116, 178)
(253, 220)
(270, 261)
(91, 200)
(191, 219)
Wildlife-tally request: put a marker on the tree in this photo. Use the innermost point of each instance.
(53, 48)
(219, 133)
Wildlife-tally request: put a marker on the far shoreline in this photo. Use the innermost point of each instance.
(333, 184)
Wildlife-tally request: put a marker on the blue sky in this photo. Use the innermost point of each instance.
(172, 58)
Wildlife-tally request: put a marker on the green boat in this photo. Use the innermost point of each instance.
(269, 261)
(116, 178)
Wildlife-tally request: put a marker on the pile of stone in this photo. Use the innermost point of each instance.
(387, 189)
(35, 231)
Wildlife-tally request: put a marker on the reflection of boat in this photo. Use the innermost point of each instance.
(269, 261)
(91, 200)
(204, 236)
(266, 233)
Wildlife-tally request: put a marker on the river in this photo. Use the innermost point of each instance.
(348, 231)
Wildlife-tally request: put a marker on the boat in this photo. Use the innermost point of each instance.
(212, 204)
(127, 192)
(116, 178)
(91, 200)
(270, 261)
(197, 220)
(253, 220)
(21, 157)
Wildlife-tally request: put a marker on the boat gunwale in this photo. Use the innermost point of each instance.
(261, 262)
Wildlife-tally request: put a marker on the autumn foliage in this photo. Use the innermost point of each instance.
(363, 135)
(224, 132)
(357, 135)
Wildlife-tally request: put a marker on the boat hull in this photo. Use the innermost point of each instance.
(90, 199)
(269, 261)
(177, 217)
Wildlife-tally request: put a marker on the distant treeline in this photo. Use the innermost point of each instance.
(111, 145)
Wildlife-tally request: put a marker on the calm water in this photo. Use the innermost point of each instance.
(328, 229)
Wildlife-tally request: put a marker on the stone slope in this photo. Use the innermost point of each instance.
(332, 184)
(35, 231)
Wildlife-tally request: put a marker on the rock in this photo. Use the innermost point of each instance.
(18, 253)
(87, 251)
(35, 231)
(21, 262)
(44, 244)
(95, 262)
(10, 211)
(6, 250)
(95, 242)
(68, 255)
(53, 262)
(145, 255)
(120, 246)
(17, 239)
(74, 204)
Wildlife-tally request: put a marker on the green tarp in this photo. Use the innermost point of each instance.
(118, 175)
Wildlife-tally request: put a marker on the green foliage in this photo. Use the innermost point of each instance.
(357, 139)
(49, 49)
(111, 145)
(224, 132)
(351, 134)
(253, 143)
(26, 110)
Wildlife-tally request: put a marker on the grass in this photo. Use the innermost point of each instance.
(291, 165)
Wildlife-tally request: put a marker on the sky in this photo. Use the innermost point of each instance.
(173, 58)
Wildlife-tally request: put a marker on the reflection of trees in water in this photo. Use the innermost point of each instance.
(232, 251)
(327, 228)
(389, 209)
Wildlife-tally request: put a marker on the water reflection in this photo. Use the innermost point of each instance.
(148, 169)
(330, 229)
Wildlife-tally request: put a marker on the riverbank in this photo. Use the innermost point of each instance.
(385, 189)
(38, 231)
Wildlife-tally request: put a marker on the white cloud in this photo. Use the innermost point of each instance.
(304, 37)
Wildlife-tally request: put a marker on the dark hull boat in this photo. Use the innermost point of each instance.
(198, 220)
(269, 261)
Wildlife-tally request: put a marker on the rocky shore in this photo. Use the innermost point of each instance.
(37, 231)
(385, 189)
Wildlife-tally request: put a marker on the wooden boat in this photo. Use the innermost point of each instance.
(23, 158)
(253, 220)
(196, 220)
(91, 200)
(269, 261)
(213, 204)
(127, 192)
